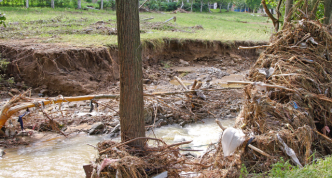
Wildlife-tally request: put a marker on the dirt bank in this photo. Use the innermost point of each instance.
(54, 69)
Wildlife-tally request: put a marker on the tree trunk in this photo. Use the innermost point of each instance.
(209, 7)
(228, 6)
(288, 13)
(101, 4)
(27, 3)
(201, 6)
(52, 4)
(131, 75)
(327, 11)
(191, 7)
(220, 8)
(78, 4)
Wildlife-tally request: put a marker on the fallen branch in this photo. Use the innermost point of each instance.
(181, 83)
(253, 47)
(326, 137)
(260, 84)
(143, 4)
(171, 19)
(148, 19)
(8, 110)
(258, 150)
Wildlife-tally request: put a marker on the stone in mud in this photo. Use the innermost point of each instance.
(2, 153)
(72, 105)
(14, 91)
(148, 119)
(97, 128)
(185, 63)
(147, 81)
(114, 123)
(183, 123)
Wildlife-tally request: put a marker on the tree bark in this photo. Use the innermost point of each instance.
(101, 4)
(78, 4)
(27, 3)
(191, 7)
(327, 11)
(131, 86)
(220, 8)
(52, 4)
(288, 7)
(201, 6)
(274, 20)
(228, 6)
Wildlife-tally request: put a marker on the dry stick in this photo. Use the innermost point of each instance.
(180, 81)
(48, 117)
(7, 111)
(194, 85)
(261, 84)
(124, 143)
(199, 86)
(250, 145)
(274, 20)
(254, 47)
(143, 4)
(327, 138)
(148, 19)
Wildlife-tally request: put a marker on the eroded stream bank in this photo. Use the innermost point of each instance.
(71, 71)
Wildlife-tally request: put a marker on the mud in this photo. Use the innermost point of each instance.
(53, 69)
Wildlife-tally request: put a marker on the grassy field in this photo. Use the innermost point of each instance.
(283, 169)
(94, 27)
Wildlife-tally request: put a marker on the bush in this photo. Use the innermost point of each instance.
(108, 4)
(2, 19)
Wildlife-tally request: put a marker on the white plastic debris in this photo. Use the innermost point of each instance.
(290, 152)
(231, 139)
(161, 175)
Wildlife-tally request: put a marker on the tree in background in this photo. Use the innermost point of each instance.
(52, 4)
(327, 11)
(253, 4)
(78, 4)
(131, 74)
(288, 7)
(27, 3)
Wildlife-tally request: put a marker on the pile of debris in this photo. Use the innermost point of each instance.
(295, 106)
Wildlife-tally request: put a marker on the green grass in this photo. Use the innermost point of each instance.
(65, 25)
(321, 168)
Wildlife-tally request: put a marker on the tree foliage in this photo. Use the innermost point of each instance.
(2, 19)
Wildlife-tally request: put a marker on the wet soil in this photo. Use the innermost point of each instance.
(51, 69)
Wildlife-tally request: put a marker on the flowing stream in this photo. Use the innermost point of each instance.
(56, 156)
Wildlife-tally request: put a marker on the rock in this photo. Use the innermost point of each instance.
(2, 153)
(72, 105)
(185, 63)
(235, 109)
(148, 119)
(97, 128)
(14, 91)
(147, 81)
(163, 122)
(179, 138)
(183, 123)
(116, 129)
(114, 123)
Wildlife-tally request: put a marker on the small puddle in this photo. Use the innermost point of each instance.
(57, 156)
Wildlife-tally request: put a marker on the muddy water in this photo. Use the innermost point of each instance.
(56, 156)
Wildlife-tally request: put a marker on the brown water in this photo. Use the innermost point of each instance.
(57, 156)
